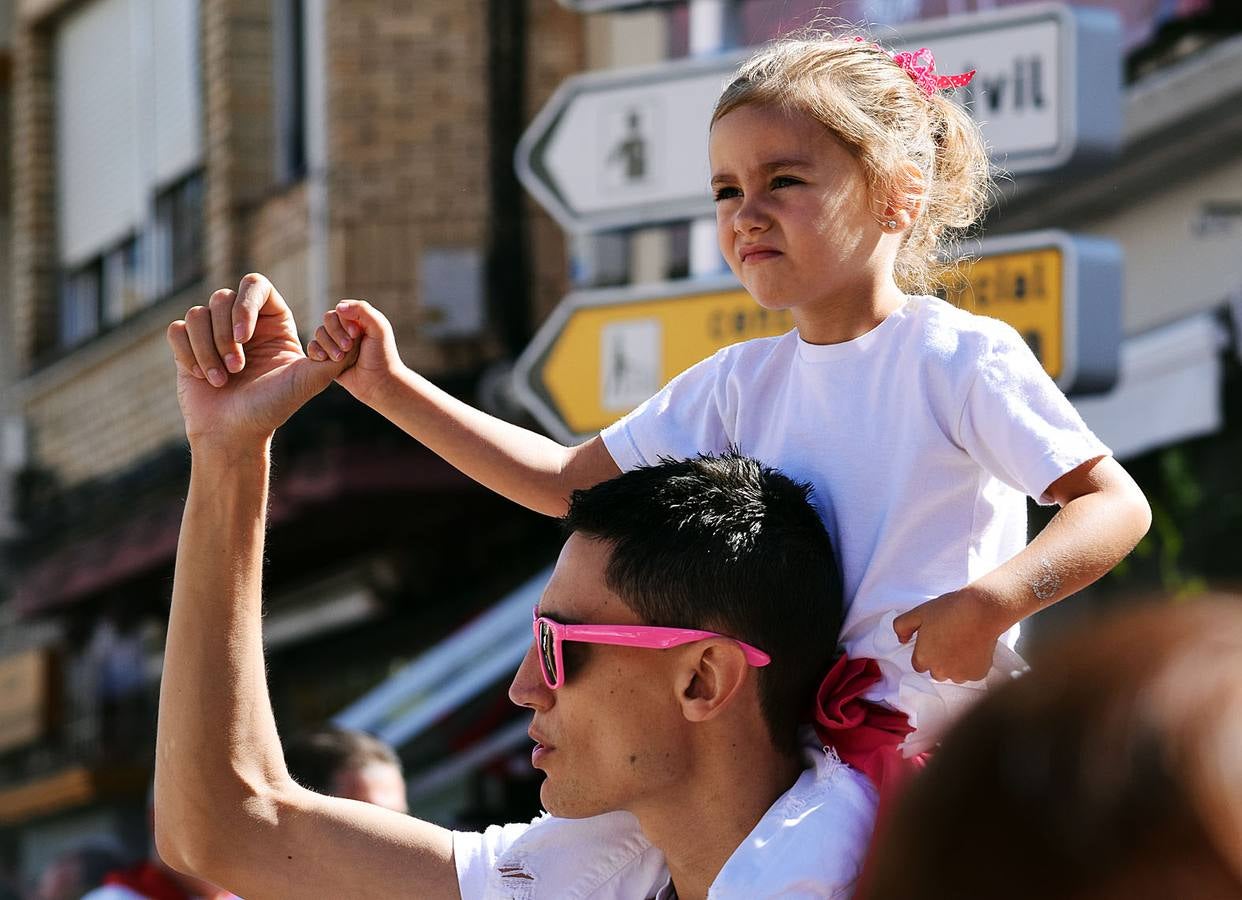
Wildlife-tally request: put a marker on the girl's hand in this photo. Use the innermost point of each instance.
(956, 635)
(358, 322)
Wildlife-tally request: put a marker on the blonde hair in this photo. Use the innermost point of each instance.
(855, 90)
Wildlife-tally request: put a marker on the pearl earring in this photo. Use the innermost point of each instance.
(891, 223)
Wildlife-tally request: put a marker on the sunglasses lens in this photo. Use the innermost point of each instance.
(547, 653)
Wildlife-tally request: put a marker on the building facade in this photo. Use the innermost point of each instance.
(156, 150)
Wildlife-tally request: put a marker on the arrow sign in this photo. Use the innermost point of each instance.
(603, 352)
(1048, 89)
(629, 147)
(624, 148)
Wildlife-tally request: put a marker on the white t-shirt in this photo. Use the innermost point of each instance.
(921, 438)
(810, 843)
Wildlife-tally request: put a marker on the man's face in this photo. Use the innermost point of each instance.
(379, 783)
(613, 735)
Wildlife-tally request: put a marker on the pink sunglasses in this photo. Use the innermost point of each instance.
(550, 636)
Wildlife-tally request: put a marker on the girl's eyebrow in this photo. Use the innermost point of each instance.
(767, 167)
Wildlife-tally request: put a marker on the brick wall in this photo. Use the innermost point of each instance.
(408, 154)
(557, 50)
(34, 234)
(238, 129)
(407, 131)
(109, 405)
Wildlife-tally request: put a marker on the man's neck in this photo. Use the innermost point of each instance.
(699, 827)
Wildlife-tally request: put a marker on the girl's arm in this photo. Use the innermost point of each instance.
(526, 467)
(1103, 515)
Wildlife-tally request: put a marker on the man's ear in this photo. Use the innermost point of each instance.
(714, 675)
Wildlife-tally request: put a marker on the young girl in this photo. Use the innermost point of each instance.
(839, 170)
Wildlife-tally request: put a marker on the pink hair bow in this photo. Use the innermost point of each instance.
(921, 67)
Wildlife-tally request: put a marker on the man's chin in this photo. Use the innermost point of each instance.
(567, 804)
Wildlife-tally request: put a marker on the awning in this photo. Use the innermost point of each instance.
(452, 672)
(145, 539)
(1168, 390)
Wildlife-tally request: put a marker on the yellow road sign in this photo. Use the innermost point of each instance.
(1023, 288)
(610, 358)
(601, 353)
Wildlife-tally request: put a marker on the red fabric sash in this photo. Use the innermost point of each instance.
(146, 879)
(864, 734)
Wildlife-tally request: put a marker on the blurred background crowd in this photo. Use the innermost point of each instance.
(154, 150)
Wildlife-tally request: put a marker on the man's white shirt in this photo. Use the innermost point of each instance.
(810, 843)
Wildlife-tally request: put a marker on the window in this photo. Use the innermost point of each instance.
(79, 304)
(101, 292)
(122, 293)
(128, 158)
(289, 76)
(178, 235)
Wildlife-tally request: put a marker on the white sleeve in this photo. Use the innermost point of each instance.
(1018, 425)
(475, 855)
(681, 421)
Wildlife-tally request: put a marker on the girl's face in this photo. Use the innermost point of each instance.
(794, 215)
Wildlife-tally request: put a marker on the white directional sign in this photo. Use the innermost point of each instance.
(619, 148)
(1048, 87)
(616, 149)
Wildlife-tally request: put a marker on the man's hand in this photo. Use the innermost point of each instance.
(356, 321)
(240, 368)
(957, 635)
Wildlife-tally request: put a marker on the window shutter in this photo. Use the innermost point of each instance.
(100, 194)
(178, 107)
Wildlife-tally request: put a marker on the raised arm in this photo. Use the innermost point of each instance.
(226, 807)
(526, 467)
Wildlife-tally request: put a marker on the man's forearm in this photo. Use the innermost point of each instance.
(217, 744)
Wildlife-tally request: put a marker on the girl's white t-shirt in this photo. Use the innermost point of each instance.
(921, 438)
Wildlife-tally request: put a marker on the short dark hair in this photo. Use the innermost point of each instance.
(315, 758)
(728, 544)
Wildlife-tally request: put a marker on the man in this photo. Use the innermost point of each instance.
(668, 771)
(147, 879)
(343, 762)
(77, 870)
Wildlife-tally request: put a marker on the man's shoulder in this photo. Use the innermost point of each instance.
(602, 857)
(814, 838)
(837, 800)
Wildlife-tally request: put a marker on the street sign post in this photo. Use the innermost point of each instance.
(619, 149)
(603, 352)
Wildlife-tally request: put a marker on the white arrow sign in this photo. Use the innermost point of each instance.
(622, 148)
(1047, 92)
(619, 148)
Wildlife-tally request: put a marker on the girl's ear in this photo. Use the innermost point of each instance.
(905, 203)
(713, 676)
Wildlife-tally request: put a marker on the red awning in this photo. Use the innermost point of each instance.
(147, 540)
